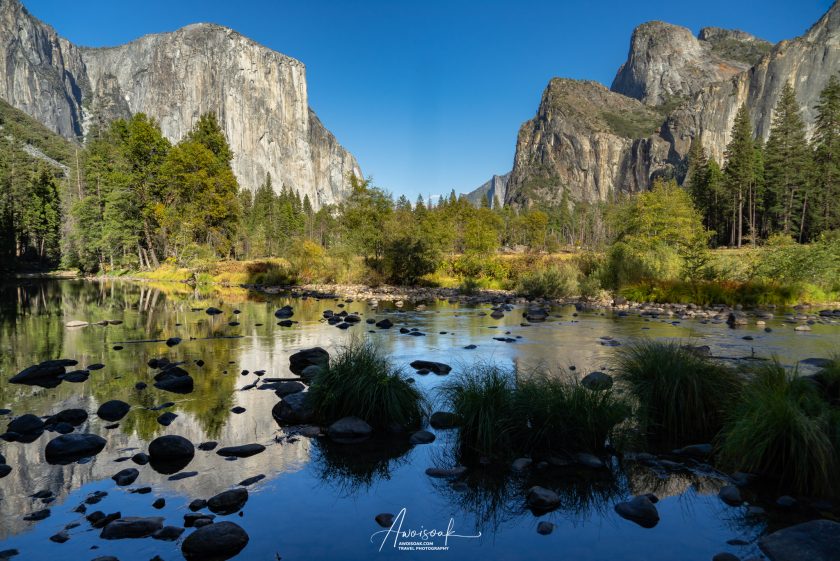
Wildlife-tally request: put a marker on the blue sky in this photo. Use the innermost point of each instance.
(429, 95)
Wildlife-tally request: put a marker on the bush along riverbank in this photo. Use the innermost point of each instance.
(768, 434)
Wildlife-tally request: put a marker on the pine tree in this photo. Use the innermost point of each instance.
(826, 143)
(786, 169)
(696, 180)
(739, 173)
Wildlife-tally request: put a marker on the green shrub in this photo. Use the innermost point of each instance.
(407, 258)
(361, 382)
(563, 415)
(557, 281)
(483, 399)
(681, 397)
(469, 286)
(784, 429)
(636, 261)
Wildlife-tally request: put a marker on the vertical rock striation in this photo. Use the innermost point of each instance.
(259, 95)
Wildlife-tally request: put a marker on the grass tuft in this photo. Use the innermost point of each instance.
(361, 382)
(681, 397)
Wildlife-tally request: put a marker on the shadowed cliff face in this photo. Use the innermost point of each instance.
(259, 95)
(687, 87)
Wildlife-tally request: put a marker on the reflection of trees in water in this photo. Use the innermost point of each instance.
(351, 468)
(496, 496)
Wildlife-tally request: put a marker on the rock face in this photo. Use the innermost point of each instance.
(666, 62)
(817, 540)
(492, 191)
(259, 95)
(587, 143)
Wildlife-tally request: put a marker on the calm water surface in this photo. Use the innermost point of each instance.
(316, 501)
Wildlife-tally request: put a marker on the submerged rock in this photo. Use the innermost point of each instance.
(218, 542)
(545, 528)
(113, 410)
(640, 510)
(597, 381)
(542, 499)
(228, 502)
(730, 495)
(444, 420)
(349, 430)
(46, 374)
(243, 451)
(421, 437)
(817, 540)
(384, 519)
(170, 453)
(283, 389)
(125, 477)
(131, 527)
(68, 448)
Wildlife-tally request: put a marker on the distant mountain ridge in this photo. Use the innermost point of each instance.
(259, 95)
(590, 143)
(493, 191)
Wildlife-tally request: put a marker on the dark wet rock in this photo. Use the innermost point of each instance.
(284, 312)
(208, 446)
(218, 541)
(417, 334)
(786, 501)
(162, 406)
(37, 515)
(173, 341)
(385, 324)
(96, 497)
(175, 380)
(62, 428)
(228, 502)
(421, 437)
(817, 540)
(308, 357)
(730, 495)
(349, 430)
(293, 409)
(5, 470)
(309, 373)
(404, 330)
(535, 314)
(640, 510)
(521, 464)
(159, 503)
(113, 410)
(60, 537)
(439, 472)
(182, 475)
(73, 417)
(589, 460)
(7, 554)
(197, 504)
(597, 381)
(131, 527)
(46, 374)
(242, 451)
(444, 420)
(288, 388)
(505, 339)
(542, 499)
(251, 480)
(167, 418)
(141, 386)
(471, 347)
(736, 318)
(112, 426)
(68, 448)
(168, 533)
(545, 528)
(238, 410)
(140, 490)
(725, 556)
(170, 453)
(76, 376)
(286, 323)
(384, 519)
(28, 427)
(436, 367)
(211, 311)
(140, 458)
(126, 477)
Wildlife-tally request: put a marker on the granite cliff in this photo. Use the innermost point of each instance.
(589, 142)
(259, 95)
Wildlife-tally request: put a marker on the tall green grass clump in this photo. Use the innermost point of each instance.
(561, 415)
(556, 281)
(681, 397)
(785, 428)
(483, 398)
(361, 382)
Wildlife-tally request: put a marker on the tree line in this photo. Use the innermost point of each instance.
(787, 186)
